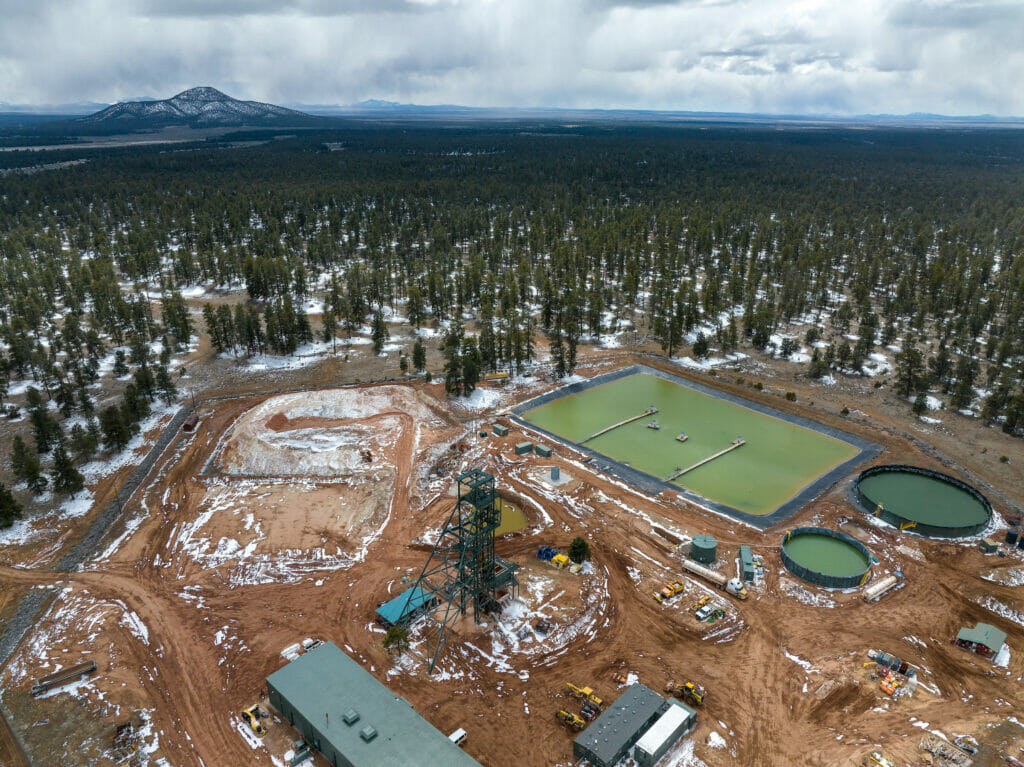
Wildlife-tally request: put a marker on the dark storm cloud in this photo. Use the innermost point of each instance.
(737, 55)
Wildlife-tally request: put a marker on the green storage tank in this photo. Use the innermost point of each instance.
(524, 448)
(704, 549)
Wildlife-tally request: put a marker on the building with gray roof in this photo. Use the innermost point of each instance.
(610, 736)
(343, 712)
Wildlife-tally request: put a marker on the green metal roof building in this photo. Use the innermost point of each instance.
(983, 639)
(352, 719)
(405, 606)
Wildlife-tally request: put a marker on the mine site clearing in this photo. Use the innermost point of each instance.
(276, 542)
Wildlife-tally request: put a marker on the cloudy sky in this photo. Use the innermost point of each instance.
(808, 56)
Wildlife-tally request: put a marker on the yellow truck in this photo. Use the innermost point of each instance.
(674, 589)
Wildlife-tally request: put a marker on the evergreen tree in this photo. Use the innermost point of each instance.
(66, 478)
(121, 363)
(165, 384)
(579, 550)
(10, 509)
(116, 430)
(920, 405)
(25, 464)
(470, 365)
(910, 378)
(419, 355)
(700, 346)
(84, 441)
(45, 428)
(452, 348)
(380, 333)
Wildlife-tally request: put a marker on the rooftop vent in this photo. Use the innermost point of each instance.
(350, 717)
(368, 733)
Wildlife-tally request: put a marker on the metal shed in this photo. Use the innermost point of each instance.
(746, 564)
(612, 735)
(664, 733)
(543, 451)
(983, 639)
(524, 448)
(499, 430)
(343, 712)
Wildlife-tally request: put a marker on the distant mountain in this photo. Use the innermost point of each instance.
(202, 107)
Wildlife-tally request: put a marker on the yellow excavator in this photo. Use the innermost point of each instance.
(584, 694)
(571, 719)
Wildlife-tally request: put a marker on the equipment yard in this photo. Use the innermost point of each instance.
(294, 516)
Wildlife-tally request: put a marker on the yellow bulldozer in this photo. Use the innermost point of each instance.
(584, 694)
(691, 692)
(570, 719)
(674, 589)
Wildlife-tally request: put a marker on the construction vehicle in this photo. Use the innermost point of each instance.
(709, 613)
(696, 606)
(251, 716)
(560, 560)
(570, 719)
(729, 585)
(584, 693)
(619, 678)
(875, 759)
(590, 711)
(674, 589)
(691, 692)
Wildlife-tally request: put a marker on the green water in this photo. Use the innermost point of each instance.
(826, 555)
(778, 460)
(512, 519)
(924, 499)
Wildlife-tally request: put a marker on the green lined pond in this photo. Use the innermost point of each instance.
(778, 460)
(829, 556)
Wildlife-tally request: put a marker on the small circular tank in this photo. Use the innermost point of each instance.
(704, 549)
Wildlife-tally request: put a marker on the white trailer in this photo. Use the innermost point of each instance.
(883, 586)
(729, 585)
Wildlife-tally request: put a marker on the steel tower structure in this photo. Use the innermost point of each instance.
(462, 569)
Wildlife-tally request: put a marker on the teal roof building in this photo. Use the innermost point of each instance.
(343, 712)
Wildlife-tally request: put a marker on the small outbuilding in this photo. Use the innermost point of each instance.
(499, 430)
(611, 736)
(404, 607)
(524, 448)
(746, 564)
(543, 451)
(677, 719)
(984, 640)
(190, 423)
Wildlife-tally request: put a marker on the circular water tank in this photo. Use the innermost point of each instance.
(704, 549)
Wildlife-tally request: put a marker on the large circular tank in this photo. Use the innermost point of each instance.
(825, 557)
(704, 549)
(923, 501)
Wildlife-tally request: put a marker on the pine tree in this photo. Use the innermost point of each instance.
(419, 355)
(120, 363)
(10, 509)
(165, 384)
(380, 333)
(116, 431)
(910, 378)
(83, 442)
(700, 346)
(452, 348)
(579, 550)
(470, 365)
(45, 429)
(25, 464)
(920, 405)
(66, 478)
